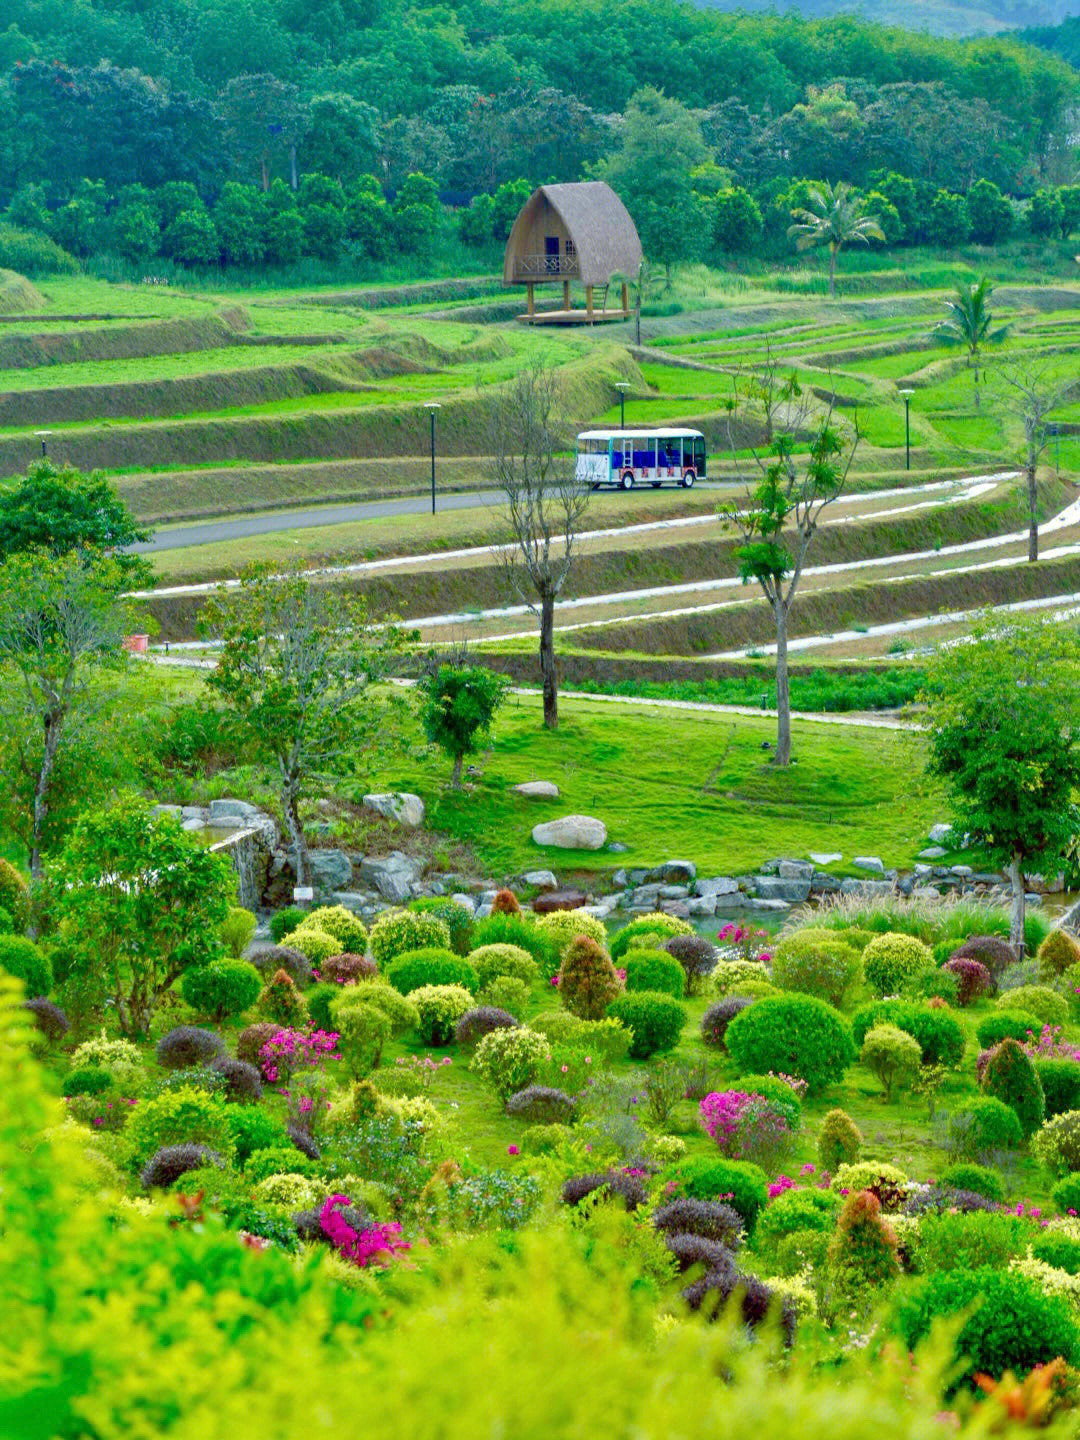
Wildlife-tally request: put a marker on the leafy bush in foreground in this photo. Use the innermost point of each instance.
(793, 1035)
(398, 931)
(587, 979)
(657, 1021)
(891, 962)
(22, 958)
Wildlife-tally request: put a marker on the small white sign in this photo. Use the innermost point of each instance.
(303, 892)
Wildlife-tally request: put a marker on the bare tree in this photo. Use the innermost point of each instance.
(781, 513)
(545, 504)
(1032, 387)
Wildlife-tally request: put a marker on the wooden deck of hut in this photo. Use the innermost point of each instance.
(573, 234)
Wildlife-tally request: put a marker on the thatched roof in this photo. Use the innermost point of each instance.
(597, 221)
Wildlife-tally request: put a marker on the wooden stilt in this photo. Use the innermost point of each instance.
(625, 298)
(588, 304)
(532, 300)
(566, 294)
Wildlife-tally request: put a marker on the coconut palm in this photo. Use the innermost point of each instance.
(836, 217)
(969, 322)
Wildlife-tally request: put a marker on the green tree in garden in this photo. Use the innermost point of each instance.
(1032, 387)
(79, 226)
(133, 231)
(736, 221)
(296, 657)
(1004, 725)
(780, 516)
(139, 901)
(459, 702)
(1047, 213)
(281, 237)
(989, 212)
(947, 221)
(192, 239)
(835, 216)
(59, 509)
(369, 220)
(969, 323)
(239, 218)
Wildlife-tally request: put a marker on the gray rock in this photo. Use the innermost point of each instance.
(192, 824)
(962, 872)
(194, 812)
(873, 863)
(636, 877)
(616, 847)
(401, 806)
(758, 904)
(618, 880)
(905, 884)
(352, 899)
(646, 894)
(791, 892)
(796, 870)
(173, 810)
(482, 912)
(717, 885)
(923, 870)
(702, 905)
(932, 852)
(571, 832)
(466, 901)
(926, 892)
(822, 883)
(392, 875)
(1033, 900)
(940, 834)
(538, 790)
(331, 869)
(675, 872)
(541, 879)
(866, 888)
(674, 892)
(770, 867)
(231, 810)
(826, 857)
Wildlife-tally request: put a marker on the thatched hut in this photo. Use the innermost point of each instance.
(568, 233)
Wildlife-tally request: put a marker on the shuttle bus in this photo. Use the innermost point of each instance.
(626, 458)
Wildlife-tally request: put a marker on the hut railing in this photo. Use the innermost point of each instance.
(534, 267)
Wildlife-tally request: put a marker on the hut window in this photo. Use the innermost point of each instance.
(570, 250)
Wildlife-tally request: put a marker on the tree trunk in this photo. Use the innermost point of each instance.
(975, 359)
(783, 692)
(833, 252)
(455, 774)
(1019, 905)
(547, 660)
(290, 809)
(1033, 513)
(52, 726)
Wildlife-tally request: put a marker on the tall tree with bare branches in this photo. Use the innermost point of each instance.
(544, 501)
(780, 515)
(1031, 386)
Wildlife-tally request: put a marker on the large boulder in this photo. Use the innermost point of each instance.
(795, 870)
(330, 869)
(538, 790)
(571, 832)
(231, 812)
(401, 806)
(558, 900)
(674, 872)
(873, 863)
(866, 889)
(717, 885)
(941, 834)
(392, 875)
(772, 887)
(541, 879)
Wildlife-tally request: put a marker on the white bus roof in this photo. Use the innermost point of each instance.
(638, 430)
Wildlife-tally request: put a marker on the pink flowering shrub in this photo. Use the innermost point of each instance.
(746, 941)
(375, 1245)
(290, 1050)
(1050, 1046)
(745, 1126)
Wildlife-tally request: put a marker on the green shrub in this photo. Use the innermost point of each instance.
(587, 979)
(888, 1183)
(982, 1126)
(738, 1183)
(892, 962)
(980, 1179)
(815, 961)
(439, 1008)
(1055, 955)
(1014, 1326)
(398, 931)
(779, 1095)
(839, 1141)
(31, 253)
(431, 966)
(1057, 1144)
(178, 1117)
(1010, 1076)
(734, 977)
(491, 961)
(659, 924)
(284, 922)
(363, 1030)
(14, 895)
(893, 1056)
(656, 1019)
(935, 985)
(287, 1191)
(1050, 1007)
(456, 917)
(400, 1011)
(314, 944)
(86, 1080)
(990, 950)
(1007, 1025)
(220, 990)
(1060, 1081)
(22, 958)
(790, 1213)
(252, 1128)
(340, 922)
(565, 925)
(794, 1035)
(1066, 1194)
(506, 993)
(236, 930)
(1060, 1251)
(281, 1001)
(940, 1035)
(964, 1241)
(118, 1057)
(277, 1160)
(653, 970)
(862, 1256)
(318, 1001)
(600, 1037)
(510, 1060)
(523, 932)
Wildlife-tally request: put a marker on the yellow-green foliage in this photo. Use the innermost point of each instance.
(564, 925)
(1056, 953)
(315, 944)
(1038, 1000)
(348, 929)
(399, 1010)
(731, 976)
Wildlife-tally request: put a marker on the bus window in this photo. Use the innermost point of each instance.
(699, 456)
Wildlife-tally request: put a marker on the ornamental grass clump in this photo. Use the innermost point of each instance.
(510, 1059)
(587, 979)
(745, 1127)
(1010, 1076)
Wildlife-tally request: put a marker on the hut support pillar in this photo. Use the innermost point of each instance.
(566, 294)
(625, 298)
(588, 303)
(532, 300)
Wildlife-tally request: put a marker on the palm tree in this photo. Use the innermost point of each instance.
(836, 217)
(969, 323)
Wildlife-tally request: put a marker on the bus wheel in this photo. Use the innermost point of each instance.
(656, 484)
(626, 480)
(687, 479)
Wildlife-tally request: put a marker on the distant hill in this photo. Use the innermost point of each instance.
(1039, 21)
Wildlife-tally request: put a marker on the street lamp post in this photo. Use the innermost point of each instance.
(431, 406)
(907, 394)
(43, 436)
(622, 386)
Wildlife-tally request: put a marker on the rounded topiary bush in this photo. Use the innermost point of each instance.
(1060, 1081)
(732, 977)
(1038, 1000)
(1066, 1194)
(510, 1059)
(342, 924)
(980, 1127)
(188, 1046)
(439, 1008)
(493, 962)
(976, 1179)
(314, 944)
(972, 977)
(282, 957)
(243, 1082)
(1057, 1144)
(23, 959)
(1007, 1024)
(398, 931)
(1011, 1324)
(793, 1212)
(696, 955)
(222, 989)
(738, 1183)
(252, 1038)
(839, 1142)
(525, 933)
(14, 895)
(281, 1001)
(1056, 953)
(87, 1080)
(778, 1093)
(49, 1020)
(542, 1105)
(757, 1302)
(656, 1020)
(610, 1184)
(893, 1056)
(1060, 1251)
(719, 1016)
(940, 1035)
(893, 961)
(170, 1162)
(587, 979)
(505, 903)
(794, 1035)
(475, 1024)
(661, 925)
(707, 1219)
(400, 1011)
(566, 925)
(178, 1117)
(816, 961)
(431, 966)
(347, 969)
(990, 950)
(695, 1252)
(318, 1001)
(283, 922)
(456, 917)
(653, 970)
(1010, 1076)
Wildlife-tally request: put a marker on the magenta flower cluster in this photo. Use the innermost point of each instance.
(744, 1126)
(1050, 1045)
(741, 937)
(376, 1245)
(290, 1050)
